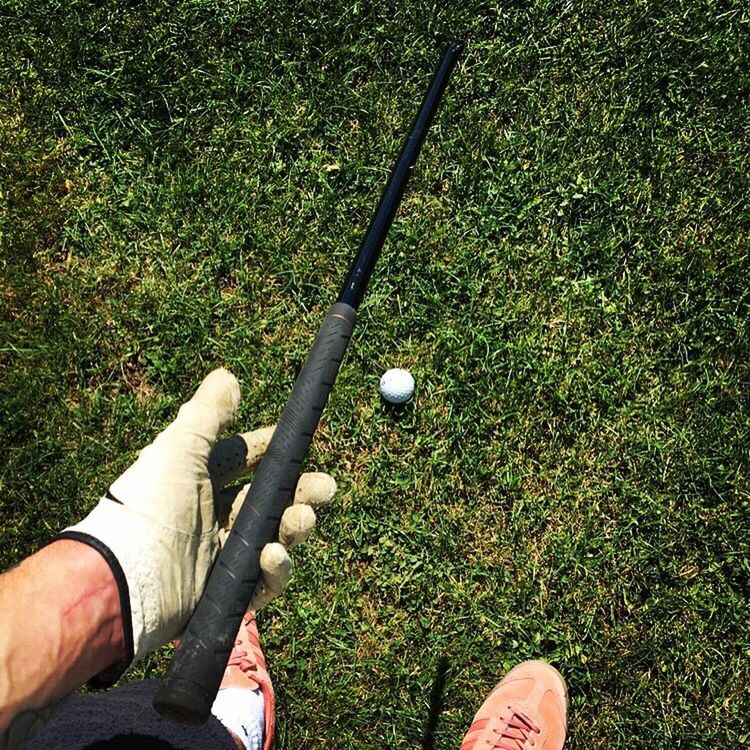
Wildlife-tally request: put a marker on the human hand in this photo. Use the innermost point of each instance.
(161, 524)
(232, 457)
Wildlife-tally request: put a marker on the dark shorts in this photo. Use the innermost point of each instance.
(124, 719)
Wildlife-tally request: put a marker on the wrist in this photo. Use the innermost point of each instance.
(96, 609)
(104, 575)
(157, 591)
(61, 625)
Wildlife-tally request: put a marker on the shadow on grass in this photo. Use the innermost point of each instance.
(436, 704)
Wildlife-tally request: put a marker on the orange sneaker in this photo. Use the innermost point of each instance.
(528, 708)
(246, 669)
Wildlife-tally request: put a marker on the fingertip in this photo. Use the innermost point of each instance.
(223, 386)
(220, 392)
(275, 560)
(315, 488)
(296, 525)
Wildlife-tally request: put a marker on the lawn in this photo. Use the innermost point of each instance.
(183, 184)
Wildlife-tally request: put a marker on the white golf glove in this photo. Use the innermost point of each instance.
(161, 524)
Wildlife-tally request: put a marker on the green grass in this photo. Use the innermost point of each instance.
(184, 184)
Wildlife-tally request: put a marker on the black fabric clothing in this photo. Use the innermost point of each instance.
(124, 719)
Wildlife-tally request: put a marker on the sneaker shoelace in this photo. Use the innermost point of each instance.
(515, 733)
(242, 659)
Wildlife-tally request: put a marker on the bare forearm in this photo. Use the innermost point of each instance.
(60, 625)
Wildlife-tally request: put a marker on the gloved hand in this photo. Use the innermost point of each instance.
(160, 524)
(314, 490)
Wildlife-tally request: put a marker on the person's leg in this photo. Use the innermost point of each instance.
(527, 708)
(245, 701)
(124, 717)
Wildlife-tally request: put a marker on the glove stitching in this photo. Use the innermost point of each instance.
(157, 523)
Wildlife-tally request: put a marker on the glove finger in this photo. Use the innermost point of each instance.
(276, 570)
(210, 410)
(315, 488)
(233, 456)
(296, 525)
(227, 504)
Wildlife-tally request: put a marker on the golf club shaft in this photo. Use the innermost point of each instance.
(361, 270)
(194, 674)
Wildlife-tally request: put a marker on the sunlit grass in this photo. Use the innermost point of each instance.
(184, 184)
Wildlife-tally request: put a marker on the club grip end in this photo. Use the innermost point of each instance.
(183, 701)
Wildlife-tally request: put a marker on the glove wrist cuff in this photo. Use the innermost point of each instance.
(113, 673)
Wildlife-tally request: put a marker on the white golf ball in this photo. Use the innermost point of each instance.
(397, 386)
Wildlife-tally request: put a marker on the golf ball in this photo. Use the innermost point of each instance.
(397, 386)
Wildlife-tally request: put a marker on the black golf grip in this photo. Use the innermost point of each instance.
(189, 688)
